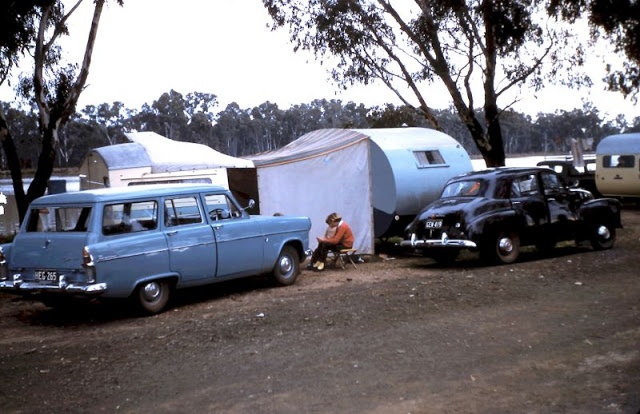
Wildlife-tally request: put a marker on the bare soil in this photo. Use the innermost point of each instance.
(399, 334)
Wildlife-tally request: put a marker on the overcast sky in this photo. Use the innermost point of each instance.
(223, 47)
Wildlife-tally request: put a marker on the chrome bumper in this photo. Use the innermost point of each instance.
(74, 288)
(443, 241)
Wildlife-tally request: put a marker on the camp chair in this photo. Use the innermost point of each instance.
(340, 257)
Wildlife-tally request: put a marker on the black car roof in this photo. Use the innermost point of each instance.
(498, 172)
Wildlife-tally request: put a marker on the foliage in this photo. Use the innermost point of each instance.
(619, 22)
(239, 132)
(473, 48)
(18, 31)
(53, 88)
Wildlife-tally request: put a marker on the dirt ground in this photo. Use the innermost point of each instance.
(399, 334)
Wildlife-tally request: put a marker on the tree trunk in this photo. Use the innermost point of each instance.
(46, 162)
(9, 147)
(495, 155)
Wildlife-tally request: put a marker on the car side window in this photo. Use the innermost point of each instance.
(179, 211)
(220, 207)
(121, 218)
(550, 182)
(525, 185)
(515, 190)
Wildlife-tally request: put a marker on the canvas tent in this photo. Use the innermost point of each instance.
(152, 158)
(370, 176)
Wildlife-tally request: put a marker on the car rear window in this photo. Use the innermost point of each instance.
(467, 188)
(58, 219)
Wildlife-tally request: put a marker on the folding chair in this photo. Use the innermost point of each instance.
(342, 256)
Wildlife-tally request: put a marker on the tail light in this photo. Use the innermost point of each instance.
(88, 264)
(87, 258)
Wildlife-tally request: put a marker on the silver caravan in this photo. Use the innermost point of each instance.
(618, 165)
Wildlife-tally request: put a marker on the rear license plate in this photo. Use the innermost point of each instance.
(50, 276)
(433, 224)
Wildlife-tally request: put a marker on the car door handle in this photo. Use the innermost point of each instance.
(218, 226)
(172, 232)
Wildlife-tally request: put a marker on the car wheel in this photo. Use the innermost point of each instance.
(287, 267)
(603, 236)
(153, 296)
(504, 248)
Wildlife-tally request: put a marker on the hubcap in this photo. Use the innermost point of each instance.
(285, 264)
(151, 291)
(505, 245)
(603, 231)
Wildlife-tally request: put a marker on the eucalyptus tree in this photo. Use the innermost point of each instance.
(199, 108)
(53, 88)
(481, 51)
(618, 23)
(106, 119)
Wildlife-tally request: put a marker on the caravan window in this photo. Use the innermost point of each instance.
(428, 158)
(618, 161)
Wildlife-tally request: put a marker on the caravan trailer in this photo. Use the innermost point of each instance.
(618, 165)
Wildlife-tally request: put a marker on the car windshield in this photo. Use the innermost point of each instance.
(467, 188)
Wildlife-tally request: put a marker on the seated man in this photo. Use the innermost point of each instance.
(338, 236)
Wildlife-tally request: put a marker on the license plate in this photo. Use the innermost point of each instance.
(46, 276)
(433, 224)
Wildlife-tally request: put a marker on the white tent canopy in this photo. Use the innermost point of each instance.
(169, 155)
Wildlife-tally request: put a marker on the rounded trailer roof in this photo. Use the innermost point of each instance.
(619, 144)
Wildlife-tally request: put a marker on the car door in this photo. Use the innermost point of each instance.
(191, 241)
(562, 218)
(240, 240)
(528, 201)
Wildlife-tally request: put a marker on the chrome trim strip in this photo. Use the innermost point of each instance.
(444, 242)
(90, 289)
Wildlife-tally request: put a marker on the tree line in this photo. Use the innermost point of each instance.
(240, 132)
(477, 49)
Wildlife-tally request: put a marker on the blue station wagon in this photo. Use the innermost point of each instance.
(142, 242)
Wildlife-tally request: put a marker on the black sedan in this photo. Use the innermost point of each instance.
(498, 210)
